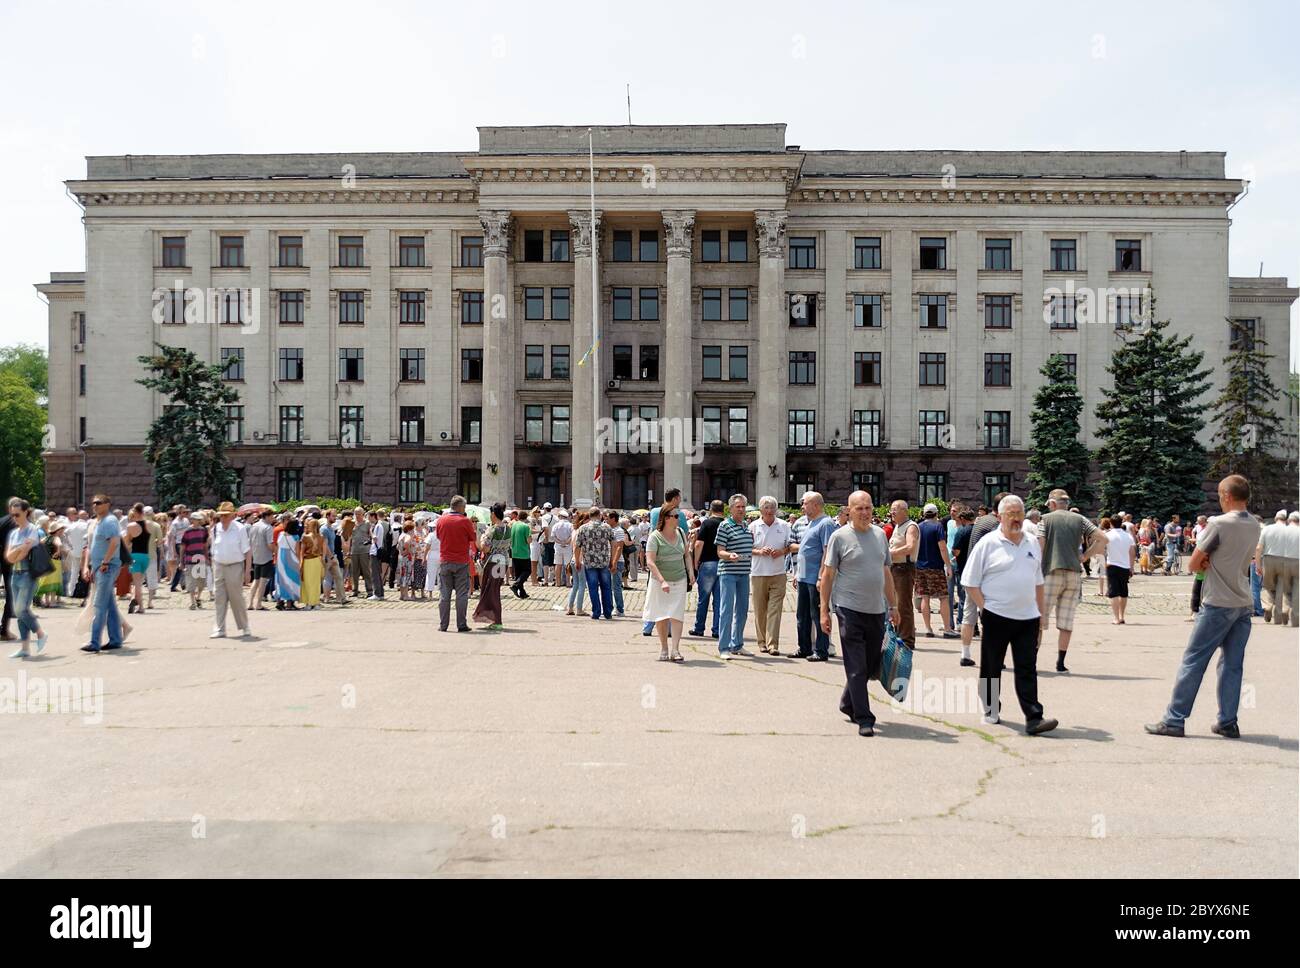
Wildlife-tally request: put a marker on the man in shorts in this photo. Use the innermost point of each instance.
(1061, 534)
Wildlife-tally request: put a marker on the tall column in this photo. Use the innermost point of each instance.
(677, 372)
(773, 324)
(498, 427)
(586, 380)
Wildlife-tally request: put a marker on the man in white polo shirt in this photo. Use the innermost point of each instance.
(1004, 578)
(1275, 560)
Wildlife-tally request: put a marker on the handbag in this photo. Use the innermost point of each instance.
(39, 562)
(895, 672)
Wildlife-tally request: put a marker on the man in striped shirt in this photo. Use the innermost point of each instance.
(735, 544)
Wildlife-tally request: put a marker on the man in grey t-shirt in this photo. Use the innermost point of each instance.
(1223, 553)
(260, 538)
(859, 553)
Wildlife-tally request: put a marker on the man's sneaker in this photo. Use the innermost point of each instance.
(374, 598)
(865, 729)
(1040, 726)
(1230, 731)
(245, 633)
(728, 656)
(1163, 729)
(817, 658)
(43, 640)
(741, 651)
(20, 654)
(990, 720)
(968, 662)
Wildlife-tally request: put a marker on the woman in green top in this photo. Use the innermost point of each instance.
(670, 574)
(495, 544)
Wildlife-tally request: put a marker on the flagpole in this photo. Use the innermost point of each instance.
(595, 324)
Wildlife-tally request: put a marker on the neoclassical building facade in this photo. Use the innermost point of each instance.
(401, 327)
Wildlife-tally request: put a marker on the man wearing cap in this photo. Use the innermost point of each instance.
(1060, 535)
(232, 565)
(548, 545)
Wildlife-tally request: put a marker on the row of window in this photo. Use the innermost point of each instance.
(1063, 254)
(930, 486)
(348, 484)
(350, 253)
(933, 429)
(933, 368)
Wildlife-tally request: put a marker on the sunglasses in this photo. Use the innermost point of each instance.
(98, 503)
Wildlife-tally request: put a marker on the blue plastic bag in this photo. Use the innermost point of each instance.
(895, 672)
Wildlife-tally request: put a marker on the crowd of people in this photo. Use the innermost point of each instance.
(1003, 572)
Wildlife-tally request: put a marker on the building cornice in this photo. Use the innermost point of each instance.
(839, 191)
(413, 191)
(634, 169)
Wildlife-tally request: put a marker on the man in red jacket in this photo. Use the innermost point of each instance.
(457, 536)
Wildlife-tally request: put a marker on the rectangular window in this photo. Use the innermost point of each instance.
(650, 363)
(712, 365)
(738, 426)
(352, 365)
(995, 484)
(291, 425)
(560, 302)
(289, 251)
(866, 252)
(738, 305)
(81, 380)
(559, 362)
(352, 306)
(471, 425)
(1063, 312)
(997, 428)
(1064, 255)
(411, 425)
(234, 424)
(352, 251)
(232, 251)
(351, 426)
(649, 308)
(81, 328)
(934, 312)
(469, 482)
(1242, 334)
(997, 312)
(1071, 363)
(710, 425)
(997, 254)
(410, 362)
(932, 428)
(471, 308)
(471, 251)
(803, 309)
(410, 486)
(534, 302)
(290, 364)
(931, 486)
(622, 421)
(559, 245)
(173, 309)
(866, 369)
(802, 428)
(292, 306)
(1128, 255)
(533, 424)
(648, 418)
(411, 308)
(737, 245)
(866, 311)
(471, 366)
(534, 361)
(711, 245)
(868, 481)
(1128, 312)
(410, 250)
(997, 369)
(866, 428)
(534, 245)
(711, 304)
(803, 252)
(648, 246)
(738, 363)
(803, 368)
(232, 362)
(559, 424)
(934, 369)
(623, 361)
(173, 252)
(347, 484)
(934, 253)
(288, 484)
(622, 246)
(622, 304)
(232, 307)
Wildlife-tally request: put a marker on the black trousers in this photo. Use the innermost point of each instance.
(523, 572)
(1022, 636)
(861, 637)
(7, 571)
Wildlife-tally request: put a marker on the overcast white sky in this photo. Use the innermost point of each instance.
(179, 78)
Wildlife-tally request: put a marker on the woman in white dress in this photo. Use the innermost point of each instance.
(670, 574)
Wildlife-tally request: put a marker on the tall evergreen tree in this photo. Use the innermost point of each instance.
(1151, 461)
(1248, 429)
(187, 444)
(1057, 458)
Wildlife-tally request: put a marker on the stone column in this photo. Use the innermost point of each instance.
(677, 372)
(773, 324)
(584, 407)
(498, 427)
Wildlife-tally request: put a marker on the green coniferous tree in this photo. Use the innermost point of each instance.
(1057, 458)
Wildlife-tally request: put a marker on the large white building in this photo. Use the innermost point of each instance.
(405, 326)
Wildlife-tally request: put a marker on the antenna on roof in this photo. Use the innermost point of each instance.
(629, 105)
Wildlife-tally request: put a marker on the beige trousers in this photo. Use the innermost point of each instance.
(767, 593)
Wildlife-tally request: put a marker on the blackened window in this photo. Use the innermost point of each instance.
(650, 363)
(866, 310)
(803, 368)
(803, 252)
(288, 483)
(866, 369)
(352, 364)
(352, 251)
(866, 252)
(534, 245)
(471, 366)
(623, 361)
(997, 369)
(410, 486)
(997, 254)
(173, 252)
(81, 380)
(1128, 255)
(995, 484)
(411, 426)
(934, 253)
(803, 309)
(931, 486)
(469, 482)
(997, 428)
(471, 425)
(471, 308)
(934, 369)
(411, 307)
(347, 483)
(290, 364)
(934, 312)
(410, 250)
(410, 365)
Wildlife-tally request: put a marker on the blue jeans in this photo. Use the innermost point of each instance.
(808, 618)
(1171, 556)
(1216, 627)
(733, 609)
(24, 588)
(706, 582)
(616, 586)
(598, 586)
(1256, 586)
(578, 593)
(106, 606)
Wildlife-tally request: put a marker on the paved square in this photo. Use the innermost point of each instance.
(364, 741)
